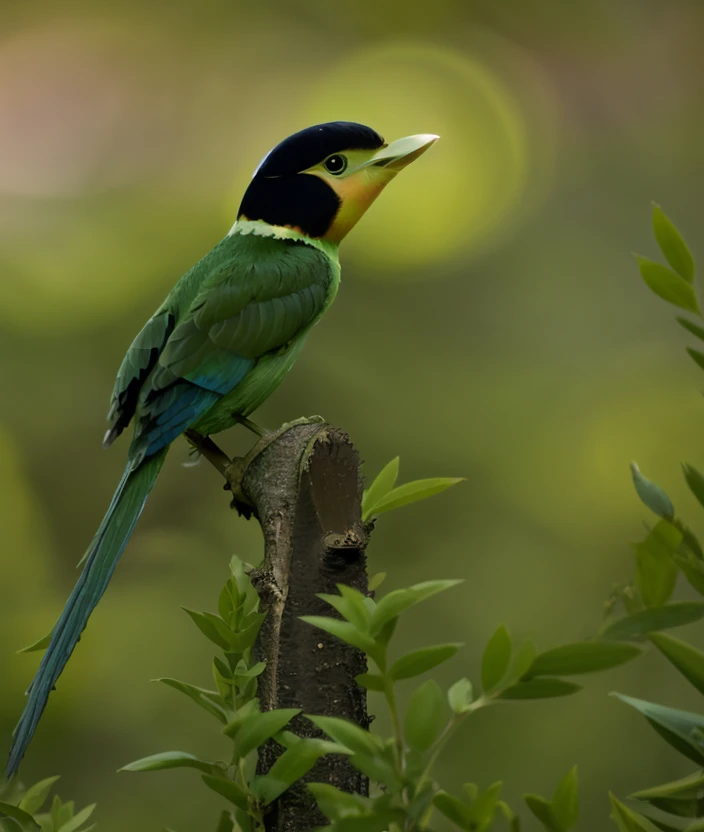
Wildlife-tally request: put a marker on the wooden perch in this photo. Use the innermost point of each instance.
(304, 487)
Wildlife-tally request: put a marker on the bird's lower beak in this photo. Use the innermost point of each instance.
(402, 152)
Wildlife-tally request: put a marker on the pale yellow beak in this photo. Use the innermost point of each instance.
(402, 152)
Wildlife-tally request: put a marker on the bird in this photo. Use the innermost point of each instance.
(225, 337)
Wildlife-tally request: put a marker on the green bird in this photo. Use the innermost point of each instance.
(226, 336)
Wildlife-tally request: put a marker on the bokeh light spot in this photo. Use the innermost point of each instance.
(455, 196)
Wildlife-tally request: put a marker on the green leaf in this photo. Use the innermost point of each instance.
(678, 728)
(245, 637)
(35, 796)
(688, 660)
(168, 759)
(542, 688)
(484, 806)
(652, 496)
(496, 658)
(384, 481)
(668, 285)
(649, 621)
(347, 733)
(540, 807)
(376, 581)
(379, 769)
(685, 789)
(565, 801)
(209, 700)
(459, 696)
(690, 327)
(227, 601)
(521, 662)
(513, 821)
(334, 803)
(453, 809)
(242, 672)
(78, 819)
(25, 822)
(672, 245)
(293, 764)
(398, 601)
(695, 481)
(225, 823)
(656, 571)
(370, 681)
(260, 727)
(244, 712)
(227, 789)
(696, 356)
(582, 657)
(681, 797)
(693, 570)
(627, 820)
(213, 628)
(422, 660)
(41, 644)
(350, 604)
(426, 716)
(412, 492)
(343, 630)
(60, 812)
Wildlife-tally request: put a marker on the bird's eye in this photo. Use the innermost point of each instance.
(336, 164)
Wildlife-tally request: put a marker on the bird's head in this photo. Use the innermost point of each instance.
(321, 180)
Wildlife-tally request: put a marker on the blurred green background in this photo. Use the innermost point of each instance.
(491, 324)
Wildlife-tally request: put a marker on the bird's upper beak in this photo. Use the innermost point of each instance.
(402, 152)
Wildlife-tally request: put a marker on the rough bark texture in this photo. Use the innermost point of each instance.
(305, 489)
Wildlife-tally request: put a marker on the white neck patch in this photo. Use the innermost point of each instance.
(259, 228)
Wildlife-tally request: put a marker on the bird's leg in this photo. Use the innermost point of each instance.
(250, 425)
(234, 470)
(231, 469)
(207, 448)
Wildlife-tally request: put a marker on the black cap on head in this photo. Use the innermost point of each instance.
(308, 147)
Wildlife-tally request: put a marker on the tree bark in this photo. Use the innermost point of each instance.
(305, 489)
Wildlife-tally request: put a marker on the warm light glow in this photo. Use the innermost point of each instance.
(461, 190)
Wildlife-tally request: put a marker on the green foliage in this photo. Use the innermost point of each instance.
(641, 623)
(671, 548)
(496, 658)
(21, 810)
(383, 495)
(405, 795)
(560, 813)
(40, 644)
(582, 657)
(652, 495)
(627, 820)
(668, 285)
(401, 766)
(687, 659)
(672, 245)
(235, 707)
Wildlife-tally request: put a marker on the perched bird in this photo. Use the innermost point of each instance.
(226, 336)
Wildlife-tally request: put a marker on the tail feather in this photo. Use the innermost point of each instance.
(107, 547)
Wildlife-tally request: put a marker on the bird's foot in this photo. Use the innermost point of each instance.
(236, 470)
(234, 474)
(272, 435)
(194, 455)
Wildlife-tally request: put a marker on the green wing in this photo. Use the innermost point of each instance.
(138, 362)
(255, 302)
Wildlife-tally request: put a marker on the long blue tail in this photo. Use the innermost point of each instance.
(108, 544)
